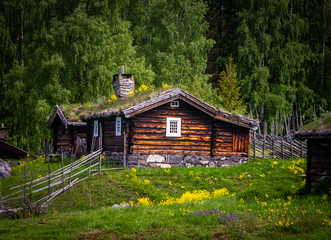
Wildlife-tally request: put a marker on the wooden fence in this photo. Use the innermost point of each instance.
(263, 146)
(44, 189)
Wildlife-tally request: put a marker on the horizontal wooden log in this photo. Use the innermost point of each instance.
(319, 172)
(223, 144)
(220, 139)
(320, 159)
(222, 149)
(171, 142)
(158, 117)
(184, 137)
(326, 165)
(163, 131)
(229, 154)
(322, 153)
(113, 141)
(171, 152)
(181, 147)
(164, 119)
(163, 126)
(223, 134)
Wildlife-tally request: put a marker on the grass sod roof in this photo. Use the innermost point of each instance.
(129, 105)
(318, 129)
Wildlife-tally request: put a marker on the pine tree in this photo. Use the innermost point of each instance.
(229, 88)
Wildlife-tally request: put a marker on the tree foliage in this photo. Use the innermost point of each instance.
(61, 51)
(229, 88)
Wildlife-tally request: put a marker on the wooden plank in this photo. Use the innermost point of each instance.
(183, 137)
(173, 152)
(223, 139)
(163, 131)
(163, 126)
(160, 117)
(172, 142)
(222, 153)
(161, 147)
(220, 145)
(222, 149)
(187, 122)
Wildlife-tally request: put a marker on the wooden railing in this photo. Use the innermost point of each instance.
(263, 146)
(44, 189)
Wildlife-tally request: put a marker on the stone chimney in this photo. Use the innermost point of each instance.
(123, 84)
(4, 132)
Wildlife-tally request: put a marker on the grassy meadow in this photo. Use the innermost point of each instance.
(261, 199)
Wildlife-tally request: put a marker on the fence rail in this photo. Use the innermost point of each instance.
(276, 146)
(43, 190)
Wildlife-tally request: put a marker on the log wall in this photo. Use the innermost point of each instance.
(200, 133)
(110, 142)
(66, 138)
(61, 137)
(229, 139)
(318, 161)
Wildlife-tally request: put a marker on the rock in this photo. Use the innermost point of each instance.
(191, 159)
(224, 165)
(248, 176)
(205, 162)
(155, 159)
(5, 170)
(124, 205)
(142, 162)
(188, 165)
(163, 165)
(177, 159)
(152, 165)
(211, 164)
(134, 163)
(205, 158)
(135, 157)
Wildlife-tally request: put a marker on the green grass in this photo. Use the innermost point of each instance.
(323, 123)
(266, 194)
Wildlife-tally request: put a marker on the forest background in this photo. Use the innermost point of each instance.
(66, 51)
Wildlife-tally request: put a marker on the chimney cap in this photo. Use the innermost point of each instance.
(122, 74)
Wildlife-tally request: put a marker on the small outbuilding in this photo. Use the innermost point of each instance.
(69, 133)
(8, 150)
(318, 135)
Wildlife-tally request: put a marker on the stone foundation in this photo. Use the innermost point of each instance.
(116, 157)
(168, 161)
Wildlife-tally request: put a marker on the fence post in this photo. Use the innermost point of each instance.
(62, 168)
(124, 151)
(89, 169)
(273, 139)
(301, 149)
(291, 146)
(254, 136)
(49, 174)
(264, 137)
(281, 140)
(100, 160)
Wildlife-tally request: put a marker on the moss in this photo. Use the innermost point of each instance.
(323, 123)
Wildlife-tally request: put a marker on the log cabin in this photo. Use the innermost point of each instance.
(69, 133)
(171, 128)
(318, 136)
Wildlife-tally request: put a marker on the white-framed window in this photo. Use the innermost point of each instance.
(96, 129)
(118, 126)
(174, 126)
(174, 104)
